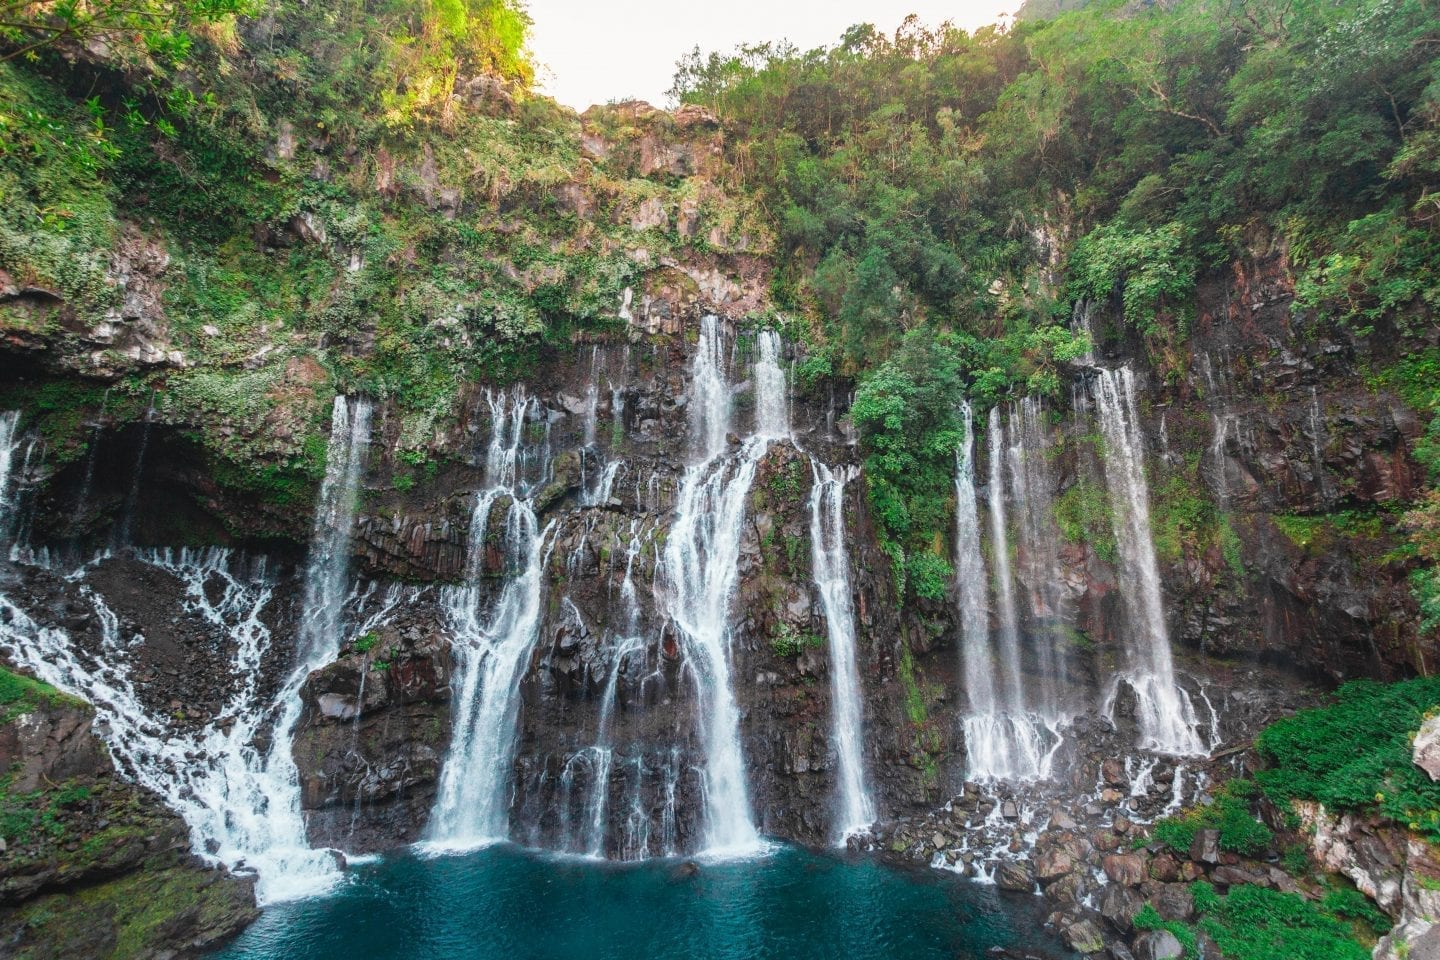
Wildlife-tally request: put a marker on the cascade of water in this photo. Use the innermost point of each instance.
(1080, 323)
(1002, 741)
(831, 563)
(9, 446)
(772, 403)
(592, 397)
(1039, 553)
(700, 566)
(1012, 699)
(1167, 717)
(1221, 423)
(241, 803)
(328, 568)
(710, 392)
(472, 802)
(604, 489)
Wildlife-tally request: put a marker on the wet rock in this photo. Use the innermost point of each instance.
(1158, 945)
(1083, 936)
(1206, 846)
(1165, 868)
(1052, 864)
(1174, 902)
(1015, 875)
(1119, 905)
(1126, 869)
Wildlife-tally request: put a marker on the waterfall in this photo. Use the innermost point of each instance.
(701, 567)
(831, 563)
(240, 800)
(242, 805)
(472, 803)
(1167, 717)
(1220, 435)
(127, 512)
(1012, 699)
(592, 397)
(1002, 740)
(328, 568)
(710, 392)
(772, 406)
(9, 446)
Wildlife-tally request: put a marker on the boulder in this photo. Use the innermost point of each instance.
(1119, 906)
(1174, 902)
(1126, 869)
(1083, 936)
(1158, 945)
(1206, 846)
(1053, 863)
(1015, 875)
(1427, 747)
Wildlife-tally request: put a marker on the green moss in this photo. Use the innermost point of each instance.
(19, 694)
(133, 915)
(1320, 533)
(1084, 516)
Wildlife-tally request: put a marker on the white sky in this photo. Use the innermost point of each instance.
(594, 51)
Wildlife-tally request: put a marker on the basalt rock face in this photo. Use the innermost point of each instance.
(612, 435)
(1268, 506)
(1308, 460)
(374, 731)
(94, 859)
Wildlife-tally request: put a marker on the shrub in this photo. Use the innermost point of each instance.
(1356, 753)
(1229, 812)
(1253, 923)
(786, 641)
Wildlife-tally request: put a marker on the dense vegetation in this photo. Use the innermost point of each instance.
(357, 198)
(1355, 754)
(978, 186)
(1256, 923)
(374, 190)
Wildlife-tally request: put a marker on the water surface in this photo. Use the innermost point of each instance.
(508, 903)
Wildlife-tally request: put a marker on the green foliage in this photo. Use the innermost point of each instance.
(1231, 549)
(1149, 919)
(915, 175)
(1319, 533)
(366, 643)
(1425, 586)
(785, 483)
(39, 815)
(906, 413)
(1181, 515)
(1229, 812)
(929, 575)
(1355, 754)
(786, 641)
(1152, 268)
(1256, 923)
(156, 28)
(1084, 516)
(1350, 904)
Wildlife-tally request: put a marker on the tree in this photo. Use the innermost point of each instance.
(160, 27)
